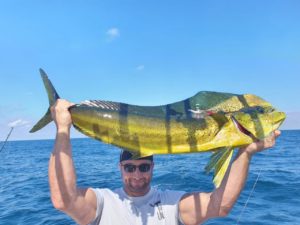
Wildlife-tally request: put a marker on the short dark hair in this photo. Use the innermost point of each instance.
(127, 155)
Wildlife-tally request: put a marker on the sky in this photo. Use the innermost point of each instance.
(145, 53)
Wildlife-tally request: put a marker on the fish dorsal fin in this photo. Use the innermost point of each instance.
(219, 161)
(102, 104)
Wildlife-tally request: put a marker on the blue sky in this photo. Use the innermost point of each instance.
(146, 53)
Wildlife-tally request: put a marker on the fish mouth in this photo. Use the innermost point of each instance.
(243, 129)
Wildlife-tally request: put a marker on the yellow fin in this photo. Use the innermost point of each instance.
(137, 155)
(219, 161)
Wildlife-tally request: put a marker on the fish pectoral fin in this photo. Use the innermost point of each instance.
(219, 161)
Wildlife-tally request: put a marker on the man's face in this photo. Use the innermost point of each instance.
(136, 175)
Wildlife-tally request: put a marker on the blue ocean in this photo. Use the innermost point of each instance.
(25, 199)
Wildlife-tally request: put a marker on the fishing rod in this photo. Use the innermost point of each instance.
(11, 129)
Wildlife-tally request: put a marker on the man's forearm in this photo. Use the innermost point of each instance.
(221, 200)
(233, 183)
(62, 177)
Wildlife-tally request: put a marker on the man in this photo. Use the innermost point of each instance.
(137, 202)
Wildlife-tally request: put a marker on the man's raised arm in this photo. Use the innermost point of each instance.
(195, 208)
(80, 204)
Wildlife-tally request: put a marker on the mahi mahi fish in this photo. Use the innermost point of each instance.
(208, 121)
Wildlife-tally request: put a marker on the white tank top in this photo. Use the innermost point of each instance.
(157, 207)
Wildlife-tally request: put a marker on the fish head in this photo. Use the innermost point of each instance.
(259, 121)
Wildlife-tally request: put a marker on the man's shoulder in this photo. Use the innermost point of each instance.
(106, 191)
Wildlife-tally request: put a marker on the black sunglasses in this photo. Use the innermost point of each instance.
(143, 168)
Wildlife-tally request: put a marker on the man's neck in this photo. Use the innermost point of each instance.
(137, 194)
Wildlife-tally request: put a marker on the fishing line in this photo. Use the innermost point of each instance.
(11, 129)
(249, 196)
(254, 185)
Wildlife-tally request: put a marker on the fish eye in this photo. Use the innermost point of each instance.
(260, 109)
(257, 109)
(269, 109)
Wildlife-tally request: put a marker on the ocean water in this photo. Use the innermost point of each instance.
(25, 199)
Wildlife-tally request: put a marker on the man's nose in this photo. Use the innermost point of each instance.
(138, 173)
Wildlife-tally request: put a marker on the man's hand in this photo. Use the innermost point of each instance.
(61, 114)
(261, 145)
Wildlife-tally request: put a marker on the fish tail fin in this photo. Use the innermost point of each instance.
(219, 161)
(52, 96)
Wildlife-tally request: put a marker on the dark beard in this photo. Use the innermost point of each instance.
(139, 189)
